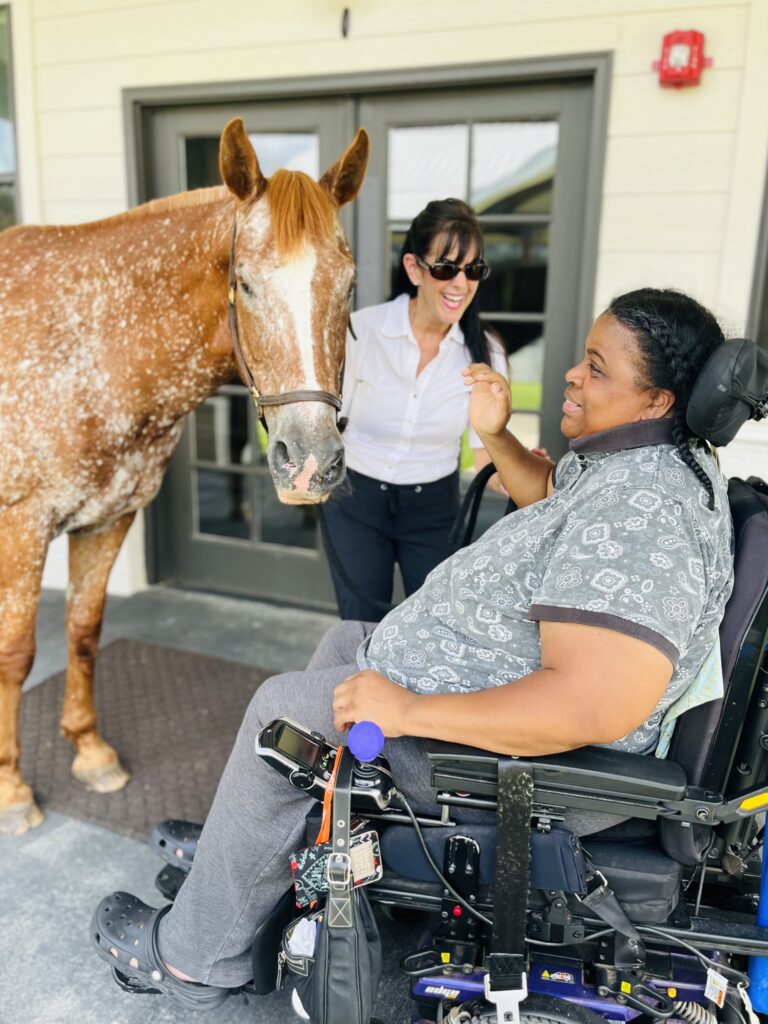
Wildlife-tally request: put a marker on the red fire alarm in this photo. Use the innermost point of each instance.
(682, 58)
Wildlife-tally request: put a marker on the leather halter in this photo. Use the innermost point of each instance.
(259, 400)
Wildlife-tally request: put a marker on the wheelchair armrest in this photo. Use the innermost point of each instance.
(590, 778)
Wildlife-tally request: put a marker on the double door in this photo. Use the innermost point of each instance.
(518, 155)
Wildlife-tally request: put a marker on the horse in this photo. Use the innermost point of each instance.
(110, 332)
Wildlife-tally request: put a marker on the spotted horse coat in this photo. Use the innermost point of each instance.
(109, 333)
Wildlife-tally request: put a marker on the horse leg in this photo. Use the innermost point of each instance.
(91, 557)
(23, 544)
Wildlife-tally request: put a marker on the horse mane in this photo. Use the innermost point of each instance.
(197, 197)
(301, 209)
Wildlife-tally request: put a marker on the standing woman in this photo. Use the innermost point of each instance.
(407, 409)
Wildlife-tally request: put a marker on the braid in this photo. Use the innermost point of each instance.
(684, 445)
(676, 336)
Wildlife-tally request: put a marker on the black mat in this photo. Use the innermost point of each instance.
(171, 715)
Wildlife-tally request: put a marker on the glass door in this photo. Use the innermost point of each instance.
(218, 522)
(518, 156)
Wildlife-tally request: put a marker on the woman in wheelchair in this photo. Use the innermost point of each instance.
(578, 619)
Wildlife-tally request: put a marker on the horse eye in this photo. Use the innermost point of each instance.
(246, 288)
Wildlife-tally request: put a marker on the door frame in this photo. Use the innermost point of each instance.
(595, 68)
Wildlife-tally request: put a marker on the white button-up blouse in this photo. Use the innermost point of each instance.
(405, 429)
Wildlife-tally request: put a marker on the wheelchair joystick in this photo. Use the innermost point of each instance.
(306, 759)
(366, 741)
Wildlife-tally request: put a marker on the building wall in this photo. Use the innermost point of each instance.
(685, 169)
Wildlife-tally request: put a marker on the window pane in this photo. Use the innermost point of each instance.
(518, 257)
(202, 160)
(396, 239)
(7, 146)
(296, 151)
(221, 431)
(292, 526)
(525, 343)
(223, 503)
(424, 163)
(7, 206)
(513, 167)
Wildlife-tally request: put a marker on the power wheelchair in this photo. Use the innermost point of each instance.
(653, 918)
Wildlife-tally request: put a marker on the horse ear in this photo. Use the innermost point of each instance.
(344, 178)
(240, 169)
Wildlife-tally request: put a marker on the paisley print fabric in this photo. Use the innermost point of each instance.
(626, 541)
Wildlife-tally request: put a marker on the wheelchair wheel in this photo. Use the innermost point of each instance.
(539, 1009)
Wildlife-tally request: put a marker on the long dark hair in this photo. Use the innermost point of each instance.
(455, 223)
(676, 335)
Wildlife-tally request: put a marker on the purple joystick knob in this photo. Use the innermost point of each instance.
(365, 741)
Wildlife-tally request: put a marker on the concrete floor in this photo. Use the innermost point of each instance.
(52, 878)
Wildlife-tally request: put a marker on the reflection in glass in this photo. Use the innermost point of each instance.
(396, 239)
(518, 257)
(424, 163)
(292, 526)
(296, 151)
(513, 166)
(221, 430)
(202, 162)
(223, 504)
(7, 146)
(7, 206)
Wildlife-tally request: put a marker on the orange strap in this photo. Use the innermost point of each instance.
(325, 828)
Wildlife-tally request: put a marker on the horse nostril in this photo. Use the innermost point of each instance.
(281, 459)
(335, 471)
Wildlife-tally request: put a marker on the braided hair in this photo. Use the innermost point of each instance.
(675, 335)
(455, 224)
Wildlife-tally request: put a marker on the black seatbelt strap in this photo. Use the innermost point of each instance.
(506, 983)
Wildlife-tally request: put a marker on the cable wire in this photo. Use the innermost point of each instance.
(443, 880)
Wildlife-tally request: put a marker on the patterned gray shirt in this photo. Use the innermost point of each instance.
(626, 541)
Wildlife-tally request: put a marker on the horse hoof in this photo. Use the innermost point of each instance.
(107, 779)
(20, 818)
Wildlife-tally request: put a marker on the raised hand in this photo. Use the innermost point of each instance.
(490, 405)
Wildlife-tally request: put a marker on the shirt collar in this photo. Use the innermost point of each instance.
(639, 434)
(397, 324)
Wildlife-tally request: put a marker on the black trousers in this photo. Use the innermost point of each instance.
(373, 524)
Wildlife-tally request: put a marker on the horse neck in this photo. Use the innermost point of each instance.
(181, 272)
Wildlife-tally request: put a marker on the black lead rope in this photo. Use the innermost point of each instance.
(460, 536)
(349, 583)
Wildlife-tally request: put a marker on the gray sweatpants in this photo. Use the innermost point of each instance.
(241, 867)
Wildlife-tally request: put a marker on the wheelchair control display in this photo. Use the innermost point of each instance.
(306, 759)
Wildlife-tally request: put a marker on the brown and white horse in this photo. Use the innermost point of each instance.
(109, 333)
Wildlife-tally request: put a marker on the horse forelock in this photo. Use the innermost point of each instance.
(302, 211)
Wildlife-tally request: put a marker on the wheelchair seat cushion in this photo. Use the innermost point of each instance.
(646, 881)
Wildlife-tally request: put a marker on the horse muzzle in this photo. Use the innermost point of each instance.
(305, 454)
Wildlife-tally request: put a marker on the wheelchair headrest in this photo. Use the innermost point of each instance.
(731, 389)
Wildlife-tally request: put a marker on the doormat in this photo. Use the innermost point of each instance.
(171, 715)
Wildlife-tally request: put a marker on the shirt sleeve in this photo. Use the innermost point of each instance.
(630, 561)
(500, 364)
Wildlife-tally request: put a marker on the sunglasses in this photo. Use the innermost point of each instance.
(444, 271)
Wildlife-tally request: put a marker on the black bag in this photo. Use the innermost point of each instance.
(338, 984)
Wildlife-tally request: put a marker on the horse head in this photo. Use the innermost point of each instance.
(291, 279)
